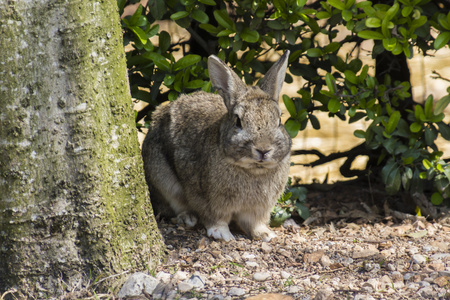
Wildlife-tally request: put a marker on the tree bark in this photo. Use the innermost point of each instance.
(74, 205)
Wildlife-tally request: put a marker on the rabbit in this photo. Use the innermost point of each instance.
(215, 158)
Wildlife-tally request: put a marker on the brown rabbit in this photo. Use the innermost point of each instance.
(217, 158)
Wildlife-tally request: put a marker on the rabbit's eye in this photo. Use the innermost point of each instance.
(238, 122)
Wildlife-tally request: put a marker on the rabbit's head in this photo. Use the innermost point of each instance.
(252, 135)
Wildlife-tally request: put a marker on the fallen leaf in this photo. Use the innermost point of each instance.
(418, 234)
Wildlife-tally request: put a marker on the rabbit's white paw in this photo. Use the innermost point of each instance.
(186, 218)
(220, 232)
(263, 232)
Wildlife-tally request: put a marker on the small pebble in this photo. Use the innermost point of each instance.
(180, 276)
(196, 281)
(293, 289)
(325, 261)
(236, 292)
(419, 259)
(261, 276)
(390, 267)
(285, 275)
(163, 276)
(251, 264)
(426, 292)
(397, 276)
(266, 248)
(184, 287)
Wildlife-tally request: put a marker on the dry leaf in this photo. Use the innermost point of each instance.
(418, 234)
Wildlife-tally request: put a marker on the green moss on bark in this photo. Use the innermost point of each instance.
(74, 200)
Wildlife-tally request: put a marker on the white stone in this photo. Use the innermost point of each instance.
(236, 292)
(136, 283)
(180, 276)
(285, 275)
(185, 286)
(163, 276)
(419, 259)
(251, 264)
(261, 276)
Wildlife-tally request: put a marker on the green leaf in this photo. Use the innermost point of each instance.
(332, 47)
(347, 15)
(302, 210)
(394, 181)
(314, 52)
(207, 2)
(223, 19)
(360, 134)
(292, 127)
(337, 3)
(441, 104)
(186, 61)
(329, 79)
(210, 28)
(407, 10)
(248, 35)
(370, 35)
(406, 178)
(427, 164)
(179, 15)
(200, 16)
(290, 106)
(275, 24)
(164, 41)
(436, 198)
(392, 11)
(428, 107)
(194, 84)
(159, 60)
(444, 130)
(351, 76)
(279, 216)
(135, 17)
(323, 15)
(334, 105)
(314, 122)
(393, 122)
(373, 22)
(415, 127)
(157, 8)
(142, 36)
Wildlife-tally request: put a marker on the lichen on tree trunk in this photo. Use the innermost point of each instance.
(73, 200)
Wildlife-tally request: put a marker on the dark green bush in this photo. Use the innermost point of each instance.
(400, 140)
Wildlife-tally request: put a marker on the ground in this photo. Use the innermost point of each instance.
(356, 245)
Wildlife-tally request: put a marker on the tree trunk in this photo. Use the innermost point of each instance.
(74, 205)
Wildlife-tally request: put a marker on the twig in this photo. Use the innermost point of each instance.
(109, 277)
(10, 291)
(439, 76)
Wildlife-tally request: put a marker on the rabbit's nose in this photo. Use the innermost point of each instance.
(262, 154)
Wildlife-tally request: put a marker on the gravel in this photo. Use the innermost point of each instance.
(345, 254)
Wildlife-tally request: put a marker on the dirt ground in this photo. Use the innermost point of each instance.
(356, 245)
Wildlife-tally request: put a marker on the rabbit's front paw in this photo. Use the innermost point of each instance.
(186, 218)
(263, 233)
(220, 232)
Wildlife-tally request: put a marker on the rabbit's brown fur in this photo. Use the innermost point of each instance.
(217, 158)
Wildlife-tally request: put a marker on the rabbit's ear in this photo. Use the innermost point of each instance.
(274, 78)
(225, 81)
